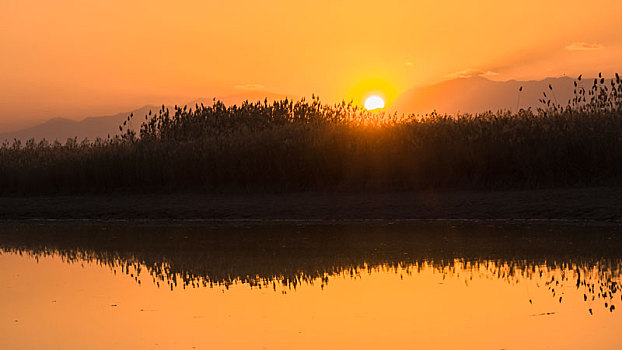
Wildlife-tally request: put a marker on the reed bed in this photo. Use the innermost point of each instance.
(309, 146)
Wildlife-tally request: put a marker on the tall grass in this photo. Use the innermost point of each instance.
(309, 146)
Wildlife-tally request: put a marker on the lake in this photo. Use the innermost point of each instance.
(436, 285)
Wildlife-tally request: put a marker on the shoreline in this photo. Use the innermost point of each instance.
(601, 204)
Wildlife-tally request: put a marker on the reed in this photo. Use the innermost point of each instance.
(309, 146)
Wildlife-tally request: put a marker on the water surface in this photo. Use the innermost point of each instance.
(357, 286)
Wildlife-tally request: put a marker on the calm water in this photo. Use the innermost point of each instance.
(406, 286)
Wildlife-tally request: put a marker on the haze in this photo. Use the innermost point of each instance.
(79, 58)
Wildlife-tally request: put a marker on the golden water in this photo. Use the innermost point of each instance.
(309, 288)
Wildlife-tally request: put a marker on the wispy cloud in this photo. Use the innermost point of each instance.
(250, 87)
(472, 72)
(488, 73)
(581, 46)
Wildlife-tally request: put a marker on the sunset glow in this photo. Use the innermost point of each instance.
(77, 59)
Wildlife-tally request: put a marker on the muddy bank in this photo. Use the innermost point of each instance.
(585, 204)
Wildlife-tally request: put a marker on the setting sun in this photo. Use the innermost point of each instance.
(374, 102)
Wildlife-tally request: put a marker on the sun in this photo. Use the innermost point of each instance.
(374, 102)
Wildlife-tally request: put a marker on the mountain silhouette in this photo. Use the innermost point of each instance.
(478, 94)
(61, 129)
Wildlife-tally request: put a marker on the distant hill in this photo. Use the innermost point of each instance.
(93, 127)
(61, 128)
(478, 94)
(464, 95)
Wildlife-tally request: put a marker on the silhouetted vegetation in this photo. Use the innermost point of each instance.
(308, 146)
(283, 257)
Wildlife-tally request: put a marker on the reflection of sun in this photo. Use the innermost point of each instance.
(374, 102)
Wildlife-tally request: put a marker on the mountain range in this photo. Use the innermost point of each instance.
(103, 126)
(461, 95)
(478, 94)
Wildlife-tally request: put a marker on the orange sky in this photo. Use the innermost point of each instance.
(80, 58)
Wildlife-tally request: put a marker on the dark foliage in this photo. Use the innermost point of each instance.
(307, 146)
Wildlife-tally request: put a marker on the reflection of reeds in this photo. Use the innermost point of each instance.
(306, 145)
(282, 257)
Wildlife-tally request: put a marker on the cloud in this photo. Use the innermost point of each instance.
(472, 72)
(581, 46)
(488, 73)
(250, 87)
